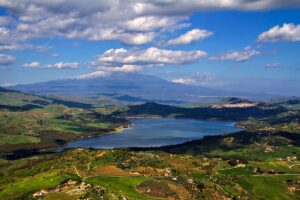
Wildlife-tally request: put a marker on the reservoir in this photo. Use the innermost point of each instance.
(157, 132)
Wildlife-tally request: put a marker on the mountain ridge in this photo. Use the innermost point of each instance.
(131, 84)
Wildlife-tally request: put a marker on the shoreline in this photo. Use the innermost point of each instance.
(52, 148)
(113, 130)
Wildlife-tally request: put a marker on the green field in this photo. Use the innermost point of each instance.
(268, 187)
(31, 184)
(17, 139)
(125, 186)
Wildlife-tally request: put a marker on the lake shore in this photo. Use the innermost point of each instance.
(149, 132)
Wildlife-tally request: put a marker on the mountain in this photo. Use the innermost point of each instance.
(135, 85)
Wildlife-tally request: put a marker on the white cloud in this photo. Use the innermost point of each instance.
(64, 65)
(123, 68)
(199, 79)
(286, 33)
(4, 32)
(238, 56)
(273, 65)
(132, 22)
(150, 23)
(43, 48)
(93, 75)
(4, 20)
(148, 57)
(186, 81)
(133, 60)
(34, 64)
(6, 59)
(13, 47)
(190, 36)
(102, 21)
(105, 71)
(7, 84)
(59, 65)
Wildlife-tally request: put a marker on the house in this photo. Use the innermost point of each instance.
(40, 193)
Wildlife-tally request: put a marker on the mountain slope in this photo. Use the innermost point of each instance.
(131, 84)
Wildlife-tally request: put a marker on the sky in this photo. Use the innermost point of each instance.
(241, 45)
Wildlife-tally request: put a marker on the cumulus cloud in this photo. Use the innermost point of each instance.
(64, 65)
(102, 21)
(150, 23)
(59, 65)
(286, 33)
(133, 22)
(123, 68)
(4, 32)
(199, 79)
(190, 36)
(5, 20)
(93, 75)
(133, 60)
(6, 59)
(186, 81)
(34, 64)
(13, 47)
(148, 57)
(238, 56)
(105, 71)
(177, 7)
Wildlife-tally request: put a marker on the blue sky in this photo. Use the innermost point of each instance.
(238, 46)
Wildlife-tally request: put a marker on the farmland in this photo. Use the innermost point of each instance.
(260, 162)
(138, 175)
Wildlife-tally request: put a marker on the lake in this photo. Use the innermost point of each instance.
(157, 132)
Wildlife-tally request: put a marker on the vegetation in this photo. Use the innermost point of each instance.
(261, 162)
(82, 173)
(31, 123)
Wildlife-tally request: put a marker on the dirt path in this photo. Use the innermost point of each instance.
(295, 165)
(76, 171)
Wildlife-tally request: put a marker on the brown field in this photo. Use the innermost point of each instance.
(164, 188)
(110, 170)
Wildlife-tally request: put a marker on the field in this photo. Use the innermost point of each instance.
(268, 187)
(138, 175)
(125, 185)
(31, 123)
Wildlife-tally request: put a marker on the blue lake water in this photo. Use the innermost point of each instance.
(157, 132)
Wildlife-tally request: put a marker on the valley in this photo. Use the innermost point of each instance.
(235, 165)
(149, 100)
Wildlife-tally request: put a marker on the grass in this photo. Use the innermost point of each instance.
(124, 185)
(18, 139)
(17, 98)
(29, 185)
(64, 125)
(236, 171)
(60, 196)
(279, 166)
(230, 190)
(99, 125)
(268, 187)
(256, 152)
